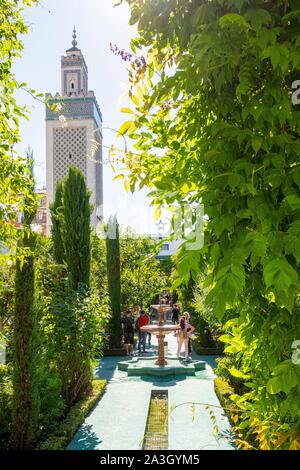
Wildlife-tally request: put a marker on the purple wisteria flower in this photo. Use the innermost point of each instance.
(138, 64)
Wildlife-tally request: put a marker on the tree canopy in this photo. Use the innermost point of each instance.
(213, 122)
(14, 176)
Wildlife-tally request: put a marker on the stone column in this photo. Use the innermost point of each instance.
(161, 351)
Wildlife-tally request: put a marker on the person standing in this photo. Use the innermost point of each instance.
(128, 331)
(187, 317)
(149, 334)
(175, 314)
(136, 313)
(143, 320)
(183, 337)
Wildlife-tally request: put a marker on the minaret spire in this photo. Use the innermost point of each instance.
(74, 42)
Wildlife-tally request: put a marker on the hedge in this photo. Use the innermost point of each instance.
(66, 430)
(223, 391)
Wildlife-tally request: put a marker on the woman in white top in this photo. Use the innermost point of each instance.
(183, 336)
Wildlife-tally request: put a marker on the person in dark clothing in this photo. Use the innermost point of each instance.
(128, 331)
(175, 314)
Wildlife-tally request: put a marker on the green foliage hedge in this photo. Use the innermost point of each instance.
(223, 391)
(49, 402)
(6, 393)
(65, 431)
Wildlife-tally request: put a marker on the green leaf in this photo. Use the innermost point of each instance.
(238, 374)
(125, 127)
(258, 17)
(274, 53)
(256, 246)
(127, 185)
(235, 180)
(280, 274)
(294, 202)
(126, 110)
(119, 177)
(134, 99)
(286, 378)
(233, 20)
(257, 143)
(157, 213)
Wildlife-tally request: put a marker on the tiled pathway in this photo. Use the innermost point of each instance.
(118, 421)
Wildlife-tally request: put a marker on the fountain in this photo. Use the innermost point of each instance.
(160, 331)
(161, 366)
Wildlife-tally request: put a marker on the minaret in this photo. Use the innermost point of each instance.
(74, 134)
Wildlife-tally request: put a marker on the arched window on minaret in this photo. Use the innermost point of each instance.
(73, 85)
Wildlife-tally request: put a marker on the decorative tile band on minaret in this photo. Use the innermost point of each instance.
(71, 140)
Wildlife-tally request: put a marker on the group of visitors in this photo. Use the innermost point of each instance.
(133, 321)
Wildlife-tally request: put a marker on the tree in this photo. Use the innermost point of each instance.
(76, 216)
(143, 276)
(25, 400)
(114, 282)
(73, 321)
(98, 265)
(56, 219)
(214, 100)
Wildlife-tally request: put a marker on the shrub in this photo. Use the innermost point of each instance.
(76, 416)
(6, 395)
(52, 404)
(223, 388)
(78, 323)
(225, 366)
(223, 391)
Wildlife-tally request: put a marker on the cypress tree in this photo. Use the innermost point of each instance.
(76, 214)
(114, 283)
(25, 399)
(56, 229)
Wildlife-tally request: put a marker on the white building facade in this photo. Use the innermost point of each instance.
(74, 133)
(169, 248)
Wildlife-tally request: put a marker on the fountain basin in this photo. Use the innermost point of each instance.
(148, 366)
(160, 330)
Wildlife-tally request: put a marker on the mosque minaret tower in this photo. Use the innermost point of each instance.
(74, 133)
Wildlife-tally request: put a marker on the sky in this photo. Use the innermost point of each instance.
(50, 34)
